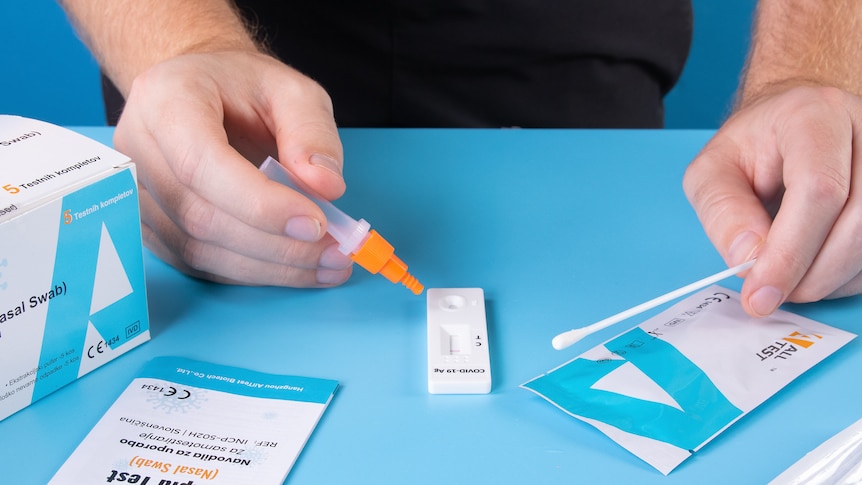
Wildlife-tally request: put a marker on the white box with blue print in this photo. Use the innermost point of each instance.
(72, 290)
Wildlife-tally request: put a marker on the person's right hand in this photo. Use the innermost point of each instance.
(780, 182)
(197, 125)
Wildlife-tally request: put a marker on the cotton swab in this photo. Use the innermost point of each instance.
(566, 339)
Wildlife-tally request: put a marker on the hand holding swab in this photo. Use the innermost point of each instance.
(566, 339)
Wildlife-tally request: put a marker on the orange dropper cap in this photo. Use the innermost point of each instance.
(378, 256)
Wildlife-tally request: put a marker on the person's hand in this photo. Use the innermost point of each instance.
(193, 125)
(781, 181)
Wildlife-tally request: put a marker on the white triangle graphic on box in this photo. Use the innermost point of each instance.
(96, 351)
(630, 381)
(111, 283)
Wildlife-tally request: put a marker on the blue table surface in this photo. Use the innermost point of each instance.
(560, 227)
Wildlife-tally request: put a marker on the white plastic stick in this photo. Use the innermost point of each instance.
(566, 339)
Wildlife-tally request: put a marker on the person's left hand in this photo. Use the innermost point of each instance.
(782, 181)
(194, 124)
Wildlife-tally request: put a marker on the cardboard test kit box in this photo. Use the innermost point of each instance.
(72, 293)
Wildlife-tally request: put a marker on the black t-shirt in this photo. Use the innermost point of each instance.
(483, 63)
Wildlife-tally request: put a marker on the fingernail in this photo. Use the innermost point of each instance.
(332, 276)
(332, 258)
(743, 247)
(325, 161)
(765, 300)
(303, 228)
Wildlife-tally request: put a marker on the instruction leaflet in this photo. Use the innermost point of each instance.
(184, 422)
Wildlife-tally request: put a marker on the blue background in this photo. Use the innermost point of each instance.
(48, 74)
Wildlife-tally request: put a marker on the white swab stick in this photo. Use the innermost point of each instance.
(566, 339)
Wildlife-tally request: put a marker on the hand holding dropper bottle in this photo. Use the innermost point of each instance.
(366, 248)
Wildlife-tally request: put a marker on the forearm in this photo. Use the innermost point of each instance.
(804, 42)
(129, 36)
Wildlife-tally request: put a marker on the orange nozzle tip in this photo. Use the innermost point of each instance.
(412, 284)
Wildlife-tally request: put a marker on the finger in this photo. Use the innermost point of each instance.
(850, 288)
(213, 262)
(836, 268)
(300, 129)
(155, 245)
(718, 186)
(307, 136)
(192, 148)
(205, 224)
(815, 150)
(196, 219)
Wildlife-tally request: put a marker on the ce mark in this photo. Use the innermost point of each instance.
(172, 391)
(101, 347)
(98, 348)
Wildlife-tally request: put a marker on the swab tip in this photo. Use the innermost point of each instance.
(564, 340)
